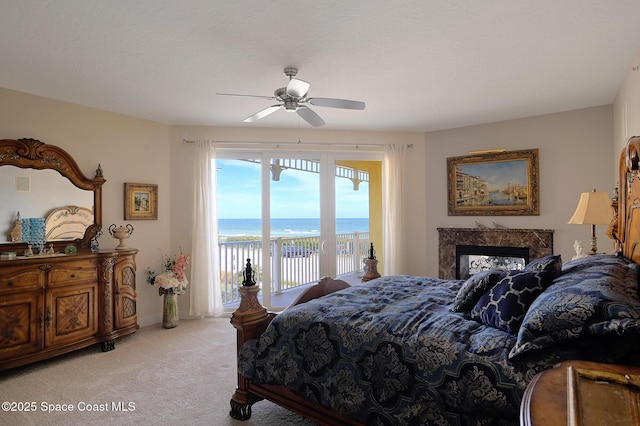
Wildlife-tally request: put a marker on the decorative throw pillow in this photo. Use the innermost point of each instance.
(595, 296)
(474, 287)
(505, 305)
(550, 264)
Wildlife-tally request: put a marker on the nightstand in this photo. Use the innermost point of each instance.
(545, 399)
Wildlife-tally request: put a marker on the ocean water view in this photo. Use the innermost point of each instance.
(288, 227)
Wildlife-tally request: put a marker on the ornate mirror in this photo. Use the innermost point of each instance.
(72, 211)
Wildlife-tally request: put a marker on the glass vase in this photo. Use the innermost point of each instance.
(170, 317)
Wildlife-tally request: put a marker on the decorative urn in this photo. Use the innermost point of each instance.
(121, 233)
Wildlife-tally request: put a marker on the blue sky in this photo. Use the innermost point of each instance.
(295, 195)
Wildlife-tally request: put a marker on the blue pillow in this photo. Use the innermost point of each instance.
(596, 296)
(474, 287)
(505, 305)
(549, 264)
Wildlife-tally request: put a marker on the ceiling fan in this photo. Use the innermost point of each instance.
(293, 98)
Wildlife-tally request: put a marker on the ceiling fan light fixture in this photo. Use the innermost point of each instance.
(290, 105)
(297, 88)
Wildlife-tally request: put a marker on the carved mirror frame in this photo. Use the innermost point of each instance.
(34, 154)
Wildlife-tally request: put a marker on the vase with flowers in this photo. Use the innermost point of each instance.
(171, 282)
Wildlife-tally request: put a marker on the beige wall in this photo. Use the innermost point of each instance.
(573, 148)
(129, 150)
(140, 151)
(575, 156)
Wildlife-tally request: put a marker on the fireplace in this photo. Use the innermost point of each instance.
(504, 247)
(473, 259)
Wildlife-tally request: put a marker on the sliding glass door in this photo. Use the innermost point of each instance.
(295, 222)
(297, 216)
(358, 212)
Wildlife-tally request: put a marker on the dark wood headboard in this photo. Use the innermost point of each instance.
(626, 227)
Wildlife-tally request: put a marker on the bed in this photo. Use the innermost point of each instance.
(418, 350)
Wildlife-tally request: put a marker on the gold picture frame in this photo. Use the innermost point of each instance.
(494, 184)
(140, 201)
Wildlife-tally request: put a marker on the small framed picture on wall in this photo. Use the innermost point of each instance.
(140, 201)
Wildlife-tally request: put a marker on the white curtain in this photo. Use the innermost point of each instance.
(206, 294)
(394, 258)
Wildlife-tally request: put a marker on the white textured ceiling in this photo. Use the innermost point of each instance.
(419, 65)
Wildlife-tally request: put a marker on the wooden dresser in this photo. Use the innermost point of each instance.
(50, 305)
(75, 296)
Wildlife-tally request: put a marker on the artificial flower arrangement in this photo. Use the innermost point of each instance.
(173, 279)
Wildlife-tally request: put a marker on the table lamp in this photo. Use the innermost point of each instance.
(594, 208)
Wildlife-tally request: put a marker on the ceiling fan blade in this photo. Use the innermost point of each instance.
(248, 96)
(336, 103)
(310, 116)
(297, 88)
(263, 113)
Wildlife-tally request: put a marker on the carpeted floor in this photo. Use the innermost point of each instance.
(180, 376)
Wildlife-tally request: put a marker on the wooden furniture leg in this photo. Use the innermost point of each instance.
(250, 320)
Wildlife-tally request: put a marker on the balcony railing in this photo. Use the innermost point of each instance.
(294, 261)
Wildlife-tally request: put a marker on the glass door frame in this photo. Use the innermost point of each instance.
(327, 194)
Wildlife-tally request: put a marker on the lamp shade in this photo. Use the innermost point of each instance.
(594, 208)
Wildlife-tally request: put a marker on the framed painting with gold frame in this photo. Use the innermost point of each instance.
(140, 201)
(494, 183)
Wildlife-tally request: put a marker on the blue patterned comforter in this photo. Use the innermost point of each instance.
(391, 351)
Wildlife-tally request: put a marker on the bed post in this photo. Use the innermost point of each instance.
(250, 320)
(627, 230)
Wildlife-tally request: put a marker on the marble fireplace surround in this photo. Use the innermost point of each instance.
(538, 241)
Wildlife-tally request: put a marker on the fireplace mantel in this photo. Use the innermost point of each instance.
(539, 242)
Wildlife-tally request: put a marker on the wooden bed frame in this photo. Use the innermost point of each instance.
(625, 228)
(251, 318)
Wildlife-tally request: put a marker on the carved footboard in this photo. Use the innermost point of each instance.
(250, 320)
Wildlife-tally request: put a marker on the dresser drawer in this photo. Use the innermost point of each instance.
(21, 278)
(72, 273)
